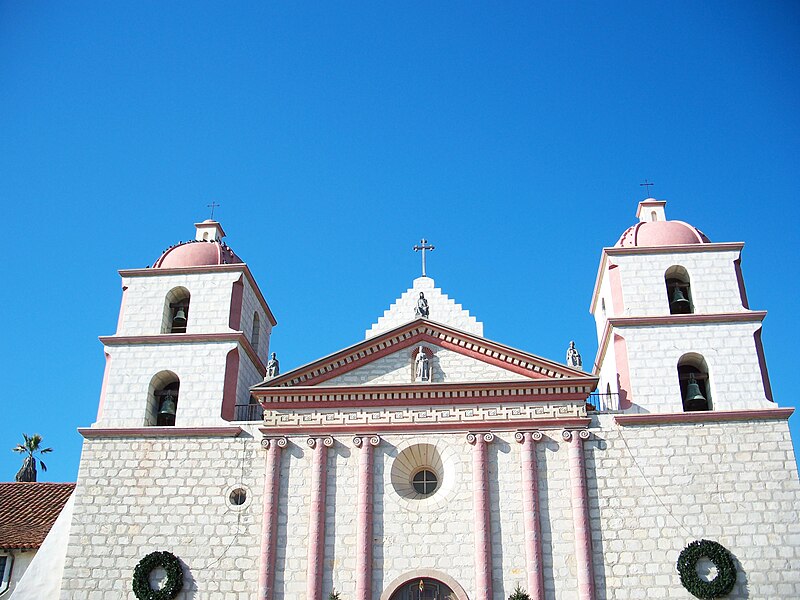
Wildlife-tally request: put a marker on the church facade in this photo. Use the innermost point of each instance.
(426, 461)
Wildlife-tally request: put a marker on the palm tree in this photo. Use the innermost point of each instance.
(31, 446)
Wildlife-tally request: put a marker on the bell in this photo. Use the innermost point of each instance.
(169, 406)
(679, 305)
(694, 399)
(179, 320)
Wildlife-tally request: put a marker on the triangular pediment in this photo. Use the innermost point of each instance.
(457, 357)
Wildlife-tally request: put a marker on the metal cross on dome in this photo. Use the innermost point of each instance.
(423, 245)
(212, 206)
(647, 185)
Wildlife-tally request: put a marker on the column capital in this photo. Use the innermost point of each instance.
(568, 434)
(327, 441)
(359, 440)
(473, 438)
(535, 436)
(281, 441)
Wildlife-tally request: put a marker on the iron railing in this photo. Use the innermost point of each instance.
(248, 412)
(604, 402)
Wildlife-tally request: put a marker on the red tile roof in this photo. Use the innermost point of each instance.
(28, 511)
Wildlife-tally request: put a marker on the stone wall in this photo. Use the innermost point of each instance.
(209, 306)
(714, 284)
(652, 490)
(136, 496)
(199, 366)
(728, 349)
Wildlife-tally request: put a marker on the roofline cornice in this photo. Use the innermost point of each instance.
(426, 394)
(229, 268)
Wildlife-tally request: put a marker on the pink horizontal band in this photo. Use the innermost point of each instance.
(461, 426)
(705, 416)
(125, 432)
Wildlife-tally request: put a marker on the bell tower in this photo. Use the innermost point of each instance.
(674, 328)
(192, 338)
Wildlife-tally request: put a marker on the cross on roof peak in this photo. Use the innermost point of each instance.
(423, 246)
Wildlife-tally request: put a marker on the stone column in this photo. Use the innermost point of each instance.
(365, 516)
(269, 528)
(482, 524)
(531, 511)
(580, 513)
(316, 525)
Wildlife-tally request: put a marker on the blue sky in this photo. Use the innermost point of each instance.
(335, 135)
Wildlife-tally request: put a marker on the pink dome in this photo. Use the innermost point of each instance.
(661, 233)
(196, 254)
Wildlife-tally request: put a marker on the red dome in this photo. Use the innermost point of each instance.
(196, 254)
(661, 233)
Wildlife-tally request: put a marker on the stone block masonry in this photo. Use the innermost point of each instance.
(651, 489)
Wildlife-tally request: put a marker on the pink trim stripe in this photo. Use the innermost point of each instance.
(753, 315)
(410, 400)
(767, 414)
(689, 248)
(127, 432)
(506, 425)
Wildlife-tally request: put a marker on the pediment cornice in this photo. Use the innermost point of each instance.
(416, 332)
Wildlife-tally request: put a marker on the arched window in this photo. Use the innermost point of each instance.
(176, 311)
(679, 292)
(694, 383)
(162, 402)
(254, 338)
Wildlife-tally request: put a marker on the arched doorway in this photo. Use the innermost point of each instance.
(424, 584)
(424, 589)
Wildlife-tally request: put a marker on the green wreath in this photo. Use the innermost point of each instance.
(718, 587)
(141, 576)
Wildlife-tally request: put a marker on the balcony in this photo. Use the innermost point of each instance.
(603, 403)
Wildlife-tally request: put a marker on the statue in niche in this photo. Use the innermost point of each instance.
(422, 366)
(422, 306)
(574, 357)
(273, 367)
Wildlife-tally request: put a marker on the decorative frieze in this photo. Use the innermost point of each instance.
(428, 415)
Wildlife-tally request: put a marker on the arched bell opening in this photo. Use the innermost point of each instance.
(679, 291)
(424, 584)
(162, 403)
(694, 383)
(176, 311)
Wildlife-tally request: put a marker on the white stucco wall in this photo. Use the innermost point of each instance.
(42, 577)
